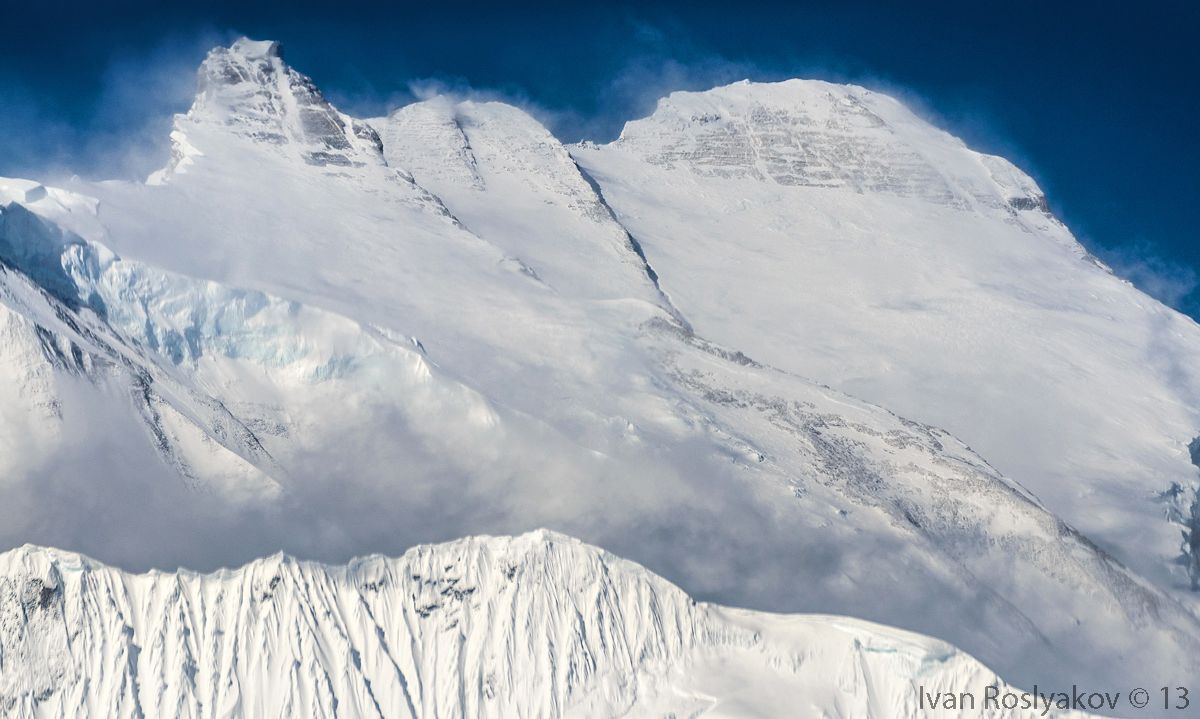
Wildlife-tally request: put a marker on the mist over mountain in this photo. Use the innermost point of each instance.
(787, 345)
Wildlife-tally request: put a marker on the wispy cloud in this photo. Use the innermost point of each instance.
(122, 134)
(1168, 281)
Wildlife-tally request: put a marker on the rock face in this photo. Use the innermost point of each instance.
(340, 337)
(539, 625)
(249, 90)
(814, 134)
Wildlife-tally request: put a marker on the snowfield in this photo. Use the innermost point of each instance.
(786, 345)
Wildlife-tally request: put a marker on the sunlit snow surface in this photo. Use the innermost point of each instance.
(536, 625)
(826, 230)
(340, 337)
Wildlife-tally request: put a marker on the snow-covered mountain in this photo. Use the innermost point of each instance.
(827, 230)
(538, 625)
(341, 336)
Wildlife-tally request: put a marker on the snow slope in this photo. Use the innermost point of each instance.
(510, 181)
(827, 230)
(539, 625)
(306, 429)
(340, 337)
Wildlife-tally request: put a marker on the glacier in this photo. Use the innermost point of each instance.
(787, 345)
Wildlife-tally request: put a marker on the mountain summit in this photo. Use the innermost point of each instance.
(807, 133)
(785, 344)
(828, 231)
(248, 90)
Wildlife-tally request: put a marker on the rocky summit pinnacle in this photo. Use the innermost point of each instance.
(247, 90)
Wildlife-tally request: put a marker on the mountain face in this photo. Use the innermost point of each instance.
(930, 279)
(537, 625)
(746, 345)
(248, 91)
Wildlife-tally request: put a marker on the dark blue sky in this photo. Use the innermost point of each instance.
(1099, 103)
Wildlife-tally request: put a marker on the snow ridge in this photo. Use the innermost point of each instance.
(539, 625)
(512, 182)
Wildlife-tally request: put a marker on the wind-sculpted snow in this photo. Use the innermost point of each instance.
(539, 625)
(466, 332)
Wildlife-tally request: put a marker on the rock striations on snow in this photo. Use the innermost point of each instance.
(250, 91)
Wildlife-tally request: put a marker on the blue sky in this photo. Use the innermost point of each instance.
(1099, 103)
